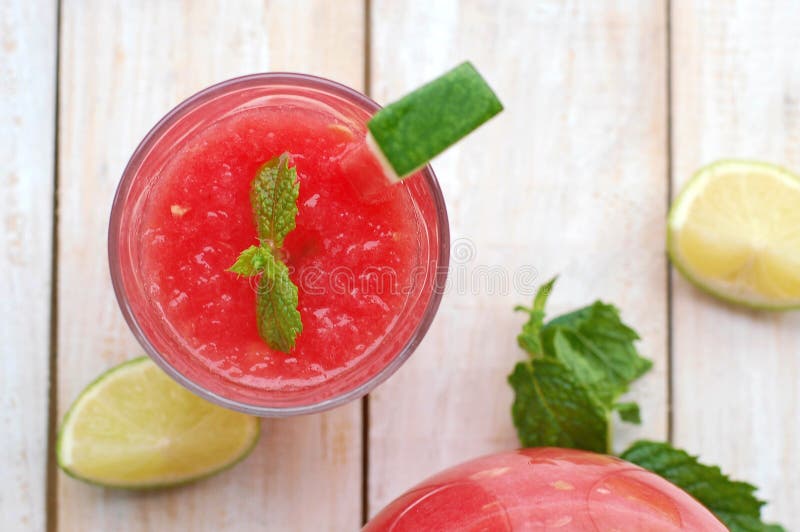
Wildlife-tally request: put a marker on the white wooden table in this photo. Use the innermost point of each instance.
(610, 105)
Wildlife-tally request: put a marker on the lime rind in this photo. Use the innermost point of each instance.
(94, 387)
(679, 211)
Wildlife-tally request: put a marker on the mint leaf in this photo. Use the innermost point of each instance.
(590, 376)
(600, 348)
(252, 261)
(733, 502)
(276, 308)
(530, 339)
(629, 412)
(273, 195)
(553, 408)
(274, 199)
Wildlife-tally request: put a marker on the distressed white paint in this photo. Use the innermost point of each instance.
(27, 121)
(736, 93)
(571, 179)
(124, 64)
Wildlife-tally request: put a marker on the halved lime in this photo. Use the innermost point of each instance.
(134, 427)
(734, 231)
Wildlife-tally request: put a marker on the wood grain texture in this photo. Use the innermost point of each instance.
(571, 179)
(736, 93)
(124, 65)
(27, 121)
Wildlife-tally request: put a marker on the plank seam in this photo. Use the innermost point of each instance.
(51, 479)
(365, 400)
(669, 273)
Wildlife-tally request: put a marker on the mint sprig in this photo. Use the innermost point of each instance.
(579, 364)
(733, 502)
(273, 196)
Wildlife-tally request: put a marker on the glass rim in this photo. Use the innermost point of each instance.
(117, 208)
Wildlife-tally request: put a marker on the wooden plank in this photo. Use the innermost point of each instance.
(570, 179)
(736, 93)
(27, 119)
(124, 64)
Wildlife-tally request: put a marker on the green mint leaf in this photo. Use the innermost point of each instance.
(605, 339)
(252, 261)
(733, 502)
(629, 412)
(746, 523)
(587, 373)
(553, 408)
(274, 198)
(530, 339)
(276, 307)
(599, 346)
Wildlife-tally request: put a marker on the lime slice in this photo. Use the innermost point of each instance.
(134, 427)
(408, 133)
(734, 231)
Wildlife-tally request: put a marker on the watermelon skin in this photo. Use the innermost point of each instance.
(421, 125)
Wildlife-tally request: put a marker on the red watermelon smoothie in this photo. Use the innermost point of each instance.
(369, 258)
